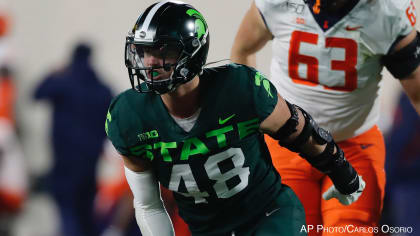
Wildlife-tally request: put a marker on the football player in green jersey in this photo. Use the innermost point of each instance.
(199, 132)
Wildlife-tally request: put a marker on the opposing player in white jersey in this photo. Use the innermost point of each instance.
(327, 58)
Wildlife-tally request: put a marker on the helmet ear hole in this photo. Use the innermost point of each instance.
(184, 72)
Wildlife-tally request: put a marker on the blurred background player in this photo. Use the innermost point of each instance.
(80, 101)
(13, 172)
(13, 176)
(7, 87)
(327, 58)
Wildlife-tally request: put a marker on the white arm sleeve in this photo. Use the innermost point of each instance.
(151, 215)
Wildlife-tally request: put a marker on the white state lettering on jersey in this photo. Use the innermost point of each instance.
(334, 75)
(183, 173)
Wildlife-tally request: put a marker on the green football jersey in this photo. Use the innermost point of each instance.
(220, 171)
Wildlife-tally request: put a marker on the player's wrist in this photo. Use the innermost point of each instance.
(343, 175)
(333, 163)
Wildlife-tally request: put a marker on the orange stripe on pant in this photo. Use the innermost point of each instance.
(366, 153)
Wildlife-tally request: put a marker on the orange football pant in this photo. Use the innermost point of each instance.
(366, 153)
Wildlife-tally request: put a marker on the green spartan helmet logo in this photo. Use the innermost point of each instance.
(200, 23)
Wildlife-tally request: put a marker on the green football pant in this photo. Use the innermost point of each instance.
(285, 217)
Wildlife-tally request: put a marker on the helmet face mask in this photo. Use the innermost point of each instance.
(166, 53)
(153, 63)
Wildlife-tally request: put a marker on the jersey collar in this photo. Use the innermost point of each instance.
(326, 20)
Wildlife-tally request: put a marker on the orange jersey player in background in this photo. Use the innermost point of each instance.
(7, 89)
(13, 172)
(327, 58)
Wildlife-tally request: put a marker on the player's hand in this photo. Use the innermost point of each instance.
(344, 199)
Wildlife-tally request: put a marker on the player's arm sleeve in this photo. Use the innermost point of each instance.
(113, 127)
(264, 94)
(151, 216)
(267, 12)
(402, 17)
(150, 213)
(402, 56)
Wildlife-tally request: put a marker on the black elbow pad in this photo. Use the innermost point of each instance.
(310, 128)
(405, 61)
(290, 126)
